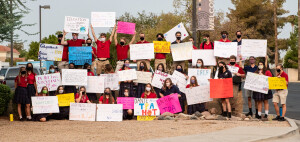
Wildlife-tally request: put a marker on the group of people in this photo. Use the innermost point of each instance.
(26, 86)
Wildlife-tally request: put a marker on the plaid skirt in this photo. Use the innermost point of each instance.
(21, 96)
(257, 96)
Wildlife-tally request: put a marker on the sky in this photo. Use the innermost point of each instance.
(53, 18)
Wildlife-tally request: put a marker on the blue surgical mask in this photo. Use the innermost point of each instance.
(52, 70)
(193, 81)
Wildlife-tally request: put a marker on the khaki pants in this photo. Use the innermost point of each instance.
(63, 65)
(146, 61)
(175, 63)
(100, 65)
(280, 96)
(160, 61)
(119, 65)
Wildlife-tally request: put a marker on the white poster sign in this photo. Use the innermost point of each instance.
(95, 84)
(125, 75)
(109, 112)
(141, 51)
(146, 107)
(143, 77)
(182, 51)
(52, 81)
(257, 83)
(206, 55)
(111, 81)
(254, 47)
(159, 79)
(82, 111)
(233, 69)
(181, 80)
(76, 25)
(103, 19)
(170, 35)
(74, 77)
(225, 49)
(44, 104)
(202, 75)
(50, 52)
(199, 94)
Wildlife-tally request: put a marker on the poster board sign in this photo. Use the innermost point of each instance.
(145, 118)
(95, 84)
(103, 19)
(162, 46)
(169, 103)
(206, 55)
(146, 107)
(80, 55)
(82, 111)
(277, 83)
(50, 52)
(141, 51)
(202, 75)
(180, 79)
(182, 51)
(65, 99)
(170, 35)
(44, 104)
(199, 94)
(74, 77)
(52, 81)
(109, 112)
(125, 75)
(127, 102)
(159, 79)
(126, 28)
(257, 83)
(225, 49)
(111, 81)
(143, 77)
(233, 69)
(254, 47)
(76, 25)
(221, 88)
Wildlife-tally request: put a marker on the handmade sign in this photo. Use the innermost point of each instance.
(44, 104)
(257, 83)
(82, 111)
(126, 28)
(125, 75)
(233, 69)
(159, 79)
(221, 88)
(162, 46)
(74, 77)
(170, 35)
(202, 75)
(80, 55)
(239, 54)
(127, 102)
(111, 81)
(141, 51)
(225, 49)
(50, 52)
(169, 103)
(254, 47)
(109, 112)
(143, 77)
(277, 83)
(52, 81)
(180, 79)
(76, 25)
(145, 118)
(145, 107)
(103, 19)
(182, 51)
(199, 94)
(65, 99)
(95, 84)
(205, 15)
(206, 55)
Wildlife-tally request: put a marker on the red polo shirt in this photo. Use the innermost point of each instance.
(160, 56)
(103, 49)
(31, 78)
(122, 51)
(140, 42)
(94, 50)
(78, 42)
(206, 46)
(151, 95)
(221, 40)
(65, 53)
(106, 101)
(22, 82)
(285, 76)
(84, 98)
(90, 73)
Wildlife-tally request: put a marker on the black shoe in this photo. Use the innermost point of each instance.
(21, 119)
(281, 119)
(257, 116)
(249, 114)
(276, 118)
(229, 114)
(224, 114)
(266, 116)
(28, 119)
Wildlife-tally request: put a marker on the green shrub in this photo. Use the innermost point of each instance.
(5, 96)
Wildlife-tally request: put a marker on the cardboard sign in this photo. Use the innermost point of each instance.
(221, 88)
(126, 28)
(109, 112)
(182, 51)
(145, 118)
(76, 25)
(143, 77)
(162, 46)
(95, 84)
(206, 55)
(111, 81)
(74, 77)
(82, 111)
(145, 107)
(277, 83)
(199, 94)
(127, 102)
(80, 55)
(125, 75)
(44, 104)
(205, 15)
(170, 35)
(103, 19)
(141, 51)
(202, 75)
(52, 81)
(257, 83)
(50, 52)
(180, 79)
(159, 79)
(254, 47)
(225, 49)
(169, 103)
(65, 99)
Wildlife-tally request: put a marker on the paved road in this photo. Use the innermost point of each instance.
(293, 102)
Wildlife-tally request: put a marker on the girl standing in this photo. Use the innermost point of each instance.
(182, 98)
(31, 87)
(161, 68)
(107, 97)
(141, 86)
(81, 97)
(149, 92)
(196, 107)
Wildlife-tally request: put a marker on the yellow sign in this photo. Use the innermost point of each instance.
(145, 118)
(65, 99)
(161, 46)
(277, 83)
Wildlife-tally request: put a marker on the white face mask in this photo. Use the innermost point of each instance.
(60, 91)
(168, 84)
(102, 39)
(148, 88)
(260, 67)
(126, 93)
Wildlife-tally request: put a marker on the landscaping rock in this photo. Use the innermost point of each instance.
(233, 118)
(169, 118)
(168, 114)
(198, 114)
(247, 119)
(206, 113)
(161, 117)
(182, 116)
(210, 117)
(193, 118)
(220, 117)
(213, 110)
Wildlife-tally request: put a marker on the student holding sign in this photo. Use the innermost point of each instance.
(128, 83)
(107, 97)
(161, 68)
(122, 49)
(63, 110)
(147, 61)
(280, 95)
(42, 117)
(89, 42)
(177, 41)
(238, 37)
(64, 63)
(127, 113)
(81, 97)
(224, 38)
(160, 58)
(51, 71)
(149, 92)
(71, 89)
(141, 86)
(196, 107)
(31, 86)
(73, 42)
(103, 51)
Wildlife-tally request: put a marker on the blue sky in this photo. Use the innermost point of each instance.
(53, 19)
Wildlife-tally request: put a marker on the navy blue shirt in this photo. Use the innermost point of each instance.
(250, 69)
(172, 90)
(239, 43)
(175, 42)
(226, 74)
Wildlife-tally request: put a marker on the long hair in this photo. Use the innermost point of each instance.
(123, 67)
(145, 66)
(31, 67)
(86, 65)
(111, 98)
(163, 66)
(196, 82)
(57, 90)
(202, 66)
(43, 89)
(151, 91)
(165, 86)
(108, 68)
(84, 90)
(221, 71)
(51, 67)
(264, 68)
(19, 76)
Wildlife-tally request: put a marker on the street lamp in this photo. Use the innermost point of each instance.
(44, 7)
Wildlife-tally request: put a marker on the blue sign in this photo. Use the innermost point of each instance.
(80, 55)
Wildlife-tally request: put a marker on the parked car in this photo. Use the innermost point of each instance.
(12, 73)
(2, 74)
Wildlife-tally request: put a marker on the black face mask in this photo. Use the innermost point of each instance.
(142, 67)
(178, 38)
(83, 92)
(159, 39)
(106, 93)
(23, 72)
(278, 70)
(71, 67)
(232, 63)
(59, 41)
(221, 68)
(179, 70)
(29, 68)
(89, 70)
(89, 44)
(239, 36)
(122, 43)
(142, 38)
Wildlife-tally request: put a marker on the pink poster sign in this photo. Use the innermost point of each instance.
(128, 102)
(169, 103)
(126, 28)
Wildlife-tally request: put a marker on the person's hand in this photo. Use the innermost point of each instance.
(91, 26)
(134, 60)
(126, 95)
(64, 32)
(267, 57)
(238, 74)
(80, 93)
(240, 56)
(179, 96)
(36, 94)
(92, 52)
(149, 59)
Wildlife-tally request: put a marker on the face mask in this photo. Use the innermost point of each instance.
(29, 68)
(52, 70)
(148, 88)
(142, 38)
(239, 36)
(89, 70)
(199, 65)
(122, 43)
(168, 84)
(278, 70)
(71, 67)
(178, 38)
(106, 93)
(89, 44)
(260, 67)
(75, 37)
(126, 65)
(142, 67)
(83, 92)
(221, 68)
(160, 69)
(45, 91)
(205, 40)
(23, 72)
(232, 63)
(126, 93)
(193, 81)
(59, 41)
(252, 61)
(159, 39)
(102, 39)
(224, 36)
(60, 91)
(179, 70)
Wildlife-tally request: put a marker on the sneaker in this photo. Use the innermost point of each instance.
(257, 116)
(266, 116)
(28, 119)
(281, 119)
(229, 114)
(21, 119)
(224, 114)
(249, 114)
(276, 118)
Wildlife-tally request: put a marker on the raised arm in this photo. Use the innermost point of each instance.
(112, 33)
(63, 42)
(93, 33)
(266, 61)
(115, 36)
(133, 38)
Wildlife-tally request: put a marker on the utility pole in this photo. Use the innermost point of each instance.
(11, 36)
(298, 40)
(275, 29)
(194, 22)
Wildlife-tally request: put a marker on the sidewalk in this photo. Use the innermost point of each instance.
(238, 134)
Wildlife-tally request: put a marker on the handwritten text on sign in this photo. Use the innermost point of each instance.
(202, 75)
(180, 79)
(206, 55)
(126, 28)
(199, 94)
(80, 55)
(257, 83)
(170, 34)
(141, 51)
(44, 104)
(225, 49)
(254, 47)
(162, 46)
(82, 111)
(277, 83)
(103, 19)
(65, 99)
(169, 103)
(52, 81)
(128, 102)
(76, 25)
(145, 107)
(182, 51)
(95, 84)
(109, 112)
(50, 52)
(111, 81)
(143, 77)
(74, 77)
(125, 75)
(159, 79)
